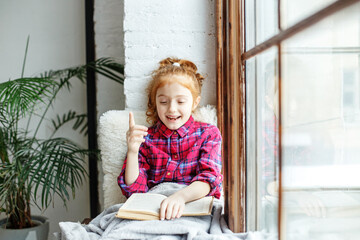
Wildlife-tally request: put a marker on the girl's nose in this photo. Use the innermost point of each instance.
(172, 107)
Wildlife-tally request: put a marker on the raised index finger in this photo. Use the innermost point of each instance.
(131, 120)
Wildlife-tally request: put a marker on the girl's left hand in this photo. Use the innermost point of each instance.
(172, 207)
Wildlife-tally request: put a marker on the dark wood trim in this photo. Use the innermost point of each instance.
(300, 26)
(280, 189)
(220, 62)
(220, 89)
(231, 123)
(231, 106)
(91, 109)
(241, 118)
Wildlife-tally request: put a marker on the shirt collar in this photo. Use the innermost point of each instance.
(182, 131)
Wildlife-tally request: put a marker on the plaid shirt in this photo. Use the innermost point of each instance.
(270, 149)
(190, 153)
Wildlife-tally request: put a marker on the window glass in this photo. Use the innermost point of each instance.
(251, 140)
(321, 129)
(262, 138)
(250, 24)
(266, 19)
(261, 21)
(293, 11)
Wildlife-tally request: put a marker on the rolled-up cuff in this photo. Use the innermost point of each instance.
(215, 183)
(139, 186)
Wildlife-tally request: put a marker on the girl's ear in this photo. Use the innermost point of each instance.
(196, 103)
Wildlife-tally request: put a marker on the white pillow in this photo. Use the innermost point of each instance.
(113, 126)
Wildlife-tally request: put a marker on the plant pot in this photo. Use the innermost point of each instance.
(39, 232)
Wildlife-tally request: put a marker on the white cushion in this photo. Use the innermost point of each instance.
(113, 126)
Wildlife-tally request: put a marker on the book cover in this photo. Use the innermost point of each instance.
(146, 206)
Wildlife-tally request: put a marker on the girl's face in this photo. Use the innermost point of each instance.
(174, 104)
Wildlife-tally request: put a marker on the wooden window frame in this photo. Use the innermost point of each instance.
(231, 96)
(231, 109)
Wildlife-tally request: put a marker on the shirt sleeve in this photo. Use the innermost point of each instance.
(209, 164)
(140, 184)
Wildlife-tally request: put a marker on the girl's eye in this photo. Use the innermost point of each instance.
(162, 102)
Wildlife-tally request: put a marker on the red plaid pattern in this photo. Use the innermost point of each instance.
(190, 153)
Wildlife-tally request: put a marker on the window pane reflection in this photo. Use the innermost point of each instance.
(293, 11)
(262, 138)
(321, 130)
(266, 19)
(267, 135)
(261, 21)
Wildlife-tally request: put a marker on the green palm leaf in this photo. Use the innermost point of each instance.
(109, 68)
(19, 96)
(80, 121)
(3, 145)
(55, 166)
(38, 169)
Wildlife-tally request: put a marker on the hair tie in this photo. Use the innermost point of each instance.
(176, 64)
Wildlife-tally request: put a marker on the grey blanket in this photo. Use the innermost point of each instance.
(107, 226)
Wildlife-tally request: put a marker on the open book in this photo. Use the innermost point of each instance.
(146, 206)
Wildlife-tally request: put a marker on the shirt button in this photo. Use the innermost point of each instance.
(168, 173)
(175, 133)
(175, 156)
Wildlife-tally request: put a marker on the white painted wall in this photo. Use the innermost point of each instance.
(109, 37)
(57, 40)
(157, 29)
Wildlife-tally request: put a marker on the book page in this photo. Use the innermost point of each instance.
(335, 203)
(339, 199)
(144, 202)
(199, 207)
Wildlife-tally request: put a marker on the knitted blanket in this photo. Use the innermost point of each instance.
(107, 226)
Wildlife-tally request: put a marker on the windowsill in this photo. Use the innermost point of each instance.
(321, 177)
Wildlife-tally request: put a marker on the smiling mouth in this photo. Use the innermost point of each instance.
(172, 118)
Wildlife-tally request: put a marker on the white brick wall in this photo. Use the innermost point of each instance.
(157, 29)
(140, 33)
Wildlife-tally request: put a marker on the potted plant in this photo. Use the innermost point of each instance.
(35, 169)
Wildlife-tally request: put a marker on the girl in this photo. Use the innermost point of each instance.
(175, 148)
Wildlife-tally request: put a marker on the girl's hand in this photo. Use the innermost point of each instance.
(310, 204)
(172, 207)
(135, 135)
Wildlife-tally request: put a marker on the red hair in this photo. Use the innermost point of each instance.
(163, 75)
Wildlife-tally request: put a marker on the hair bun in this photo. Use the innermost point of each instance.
(169, 61)
(189, 65)
(178, 62)
(199, 78)
(186, 65)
